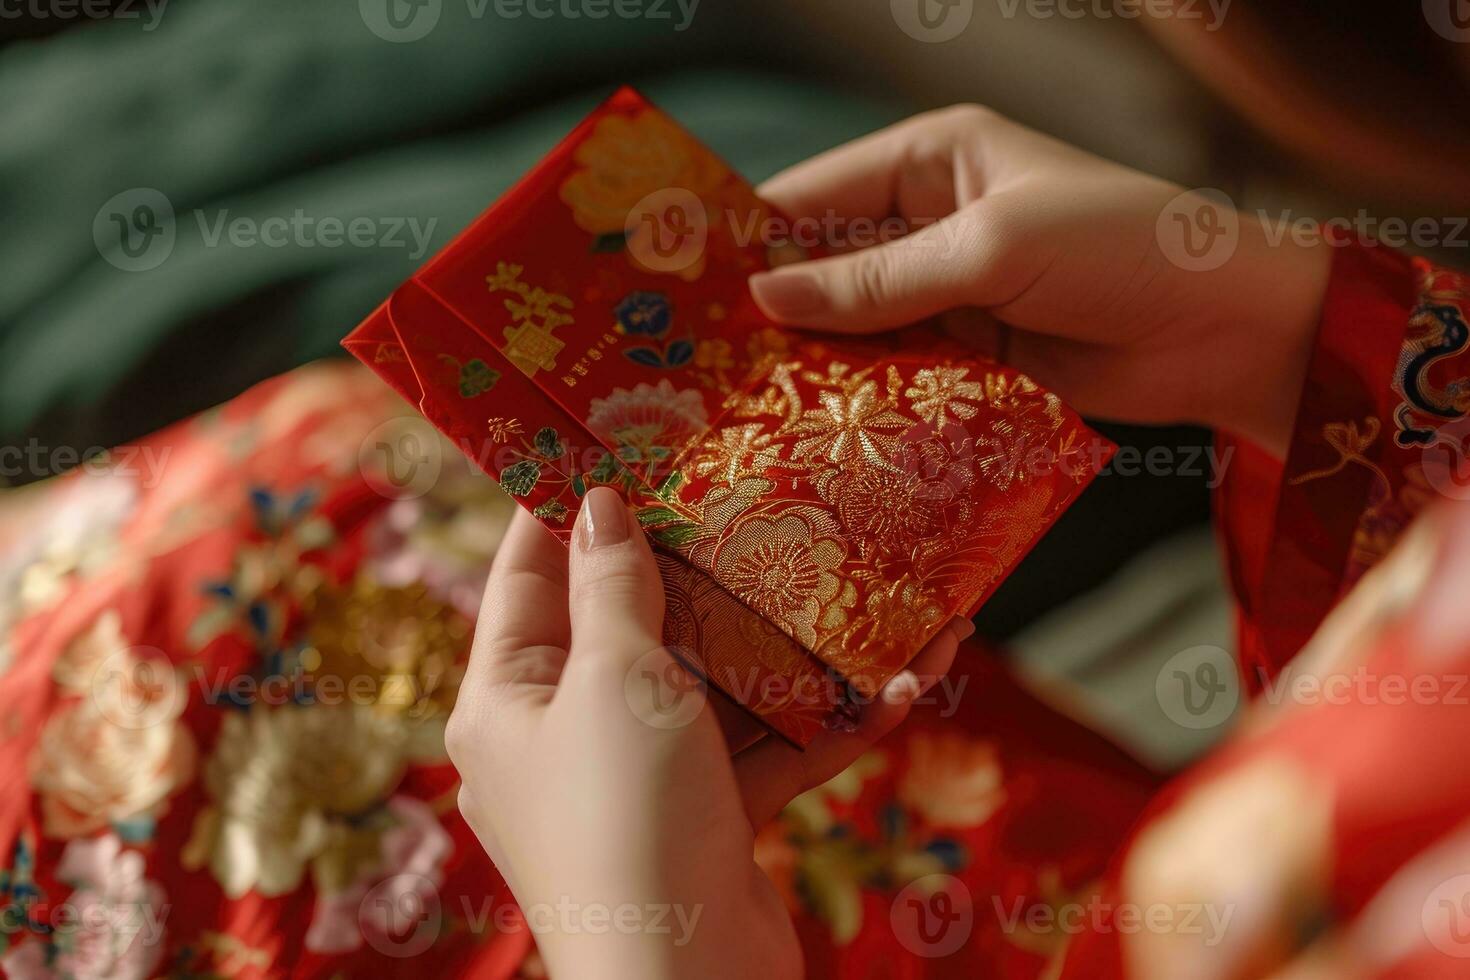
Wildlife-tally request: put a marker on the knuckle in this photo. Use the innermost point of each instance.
(466, 804)
(619, 584)
(970, 115)
(460, 737)
(874, 278)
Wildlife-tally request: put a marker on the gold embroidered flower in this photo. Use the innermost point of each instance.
(1008, 454)
(937, 393)
(398, 648)
(1008, 392)
(893, 511)
(853, 426)
(900, 616)
(727, 454)
(714, 355)
(784, 568)
(117, 752)
(629, 157)
(289, 787)
(952, 780)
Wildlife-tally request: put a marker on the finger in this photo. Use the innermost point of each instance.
(955, 262)
(617, 596)
(906, 169)
(523, 630)
(772, 773)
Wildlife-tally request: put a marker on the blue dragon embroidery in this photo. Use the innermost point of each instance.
(1436, 332)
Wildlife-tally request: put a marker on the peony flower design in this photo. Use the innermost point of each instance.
(648, 422)
(628, 157)
(784, 568)
(898, 613)
(118, 916)
(952, 780)
(115, 754)
(291, 787)
(412, 855)
(890, 511)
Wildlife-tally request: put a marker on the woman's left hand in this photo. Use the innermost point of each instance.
(627, 841)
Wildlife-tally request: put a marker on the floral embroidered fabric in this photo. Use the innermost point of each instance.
(594, 327)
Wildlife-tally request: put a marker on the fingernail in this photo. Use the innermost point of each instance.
(787, 295)
(903, 687)
(963, 628)
(604, 519)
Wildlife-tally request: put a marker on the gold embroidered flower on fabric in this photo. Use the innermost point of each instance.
(940, 392)
(852, 427)
(784, 568)
(289, 787)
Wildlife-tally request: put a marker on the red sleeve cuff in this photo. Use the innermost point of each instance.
(1390, 357)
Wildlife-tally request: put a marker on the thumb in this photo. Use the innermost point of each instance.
(617, 596)
(950, 263)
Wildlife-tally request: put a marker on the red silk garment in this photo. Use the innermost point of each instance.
(226, 660)
(1364, 737)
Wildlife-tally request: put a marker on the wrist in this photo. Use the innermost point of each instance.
(1268, 325)
(718, 931)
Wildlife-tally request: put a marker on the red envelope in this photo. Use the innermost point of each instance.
(820, 507)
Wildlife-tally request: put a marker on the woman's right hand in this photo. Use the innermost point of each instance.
(1082, 259)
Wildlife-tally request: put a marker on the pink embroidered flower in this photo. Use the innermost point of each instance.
(443, 540)
(113, 928)
(649, 422)
(412, 854)
(952, 780)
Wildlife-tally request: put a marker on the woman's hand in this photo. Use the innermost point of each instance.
(1083, 258)
(628, 844)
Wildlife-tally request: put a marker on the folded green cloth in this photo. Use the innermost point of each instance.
(289, 111)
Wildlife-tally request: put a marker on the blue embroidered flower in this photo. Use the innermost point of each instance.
(648, 314)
